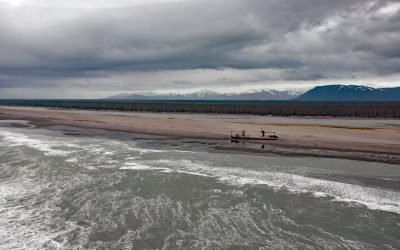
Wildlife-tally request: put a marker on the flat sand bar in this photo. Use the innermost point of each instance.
(342, 134)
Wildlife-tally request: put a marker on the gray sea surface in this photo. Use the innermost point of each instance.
(71, 188)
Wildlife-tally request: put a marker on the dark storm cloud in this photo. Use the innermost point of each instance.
(306, 40)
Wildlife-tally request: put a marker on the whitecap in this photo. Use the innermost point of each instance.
(373, 198)
(137, 166)
(48, 146)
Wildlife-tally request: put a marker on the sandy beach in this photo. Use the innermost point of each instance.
(361, 135)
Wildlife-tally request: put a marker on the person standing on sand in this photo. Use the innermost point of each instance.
(243, 132)
(262, 132)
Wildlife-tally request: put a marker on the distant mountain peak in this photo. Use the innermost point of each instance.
(204, 93)
(338, 92)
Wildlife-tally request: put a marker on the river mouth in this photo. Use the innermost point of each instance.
(70, 187)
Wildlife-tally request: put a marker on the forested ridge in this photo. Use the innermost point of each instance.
(274, 108)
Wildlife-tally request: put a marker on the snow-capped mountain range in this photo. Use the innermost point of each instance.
(262, 95)
(321, 93)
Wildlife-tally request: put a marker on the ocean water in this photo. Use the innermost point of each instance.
(69, 188)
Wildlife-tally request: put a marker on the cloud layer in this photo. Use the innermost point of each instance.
(129, 46)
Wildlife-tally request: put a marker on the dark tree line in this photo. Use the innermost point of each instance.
(274, 108)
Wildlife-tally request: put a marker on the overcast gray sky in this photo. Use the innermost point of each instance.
(97, 48)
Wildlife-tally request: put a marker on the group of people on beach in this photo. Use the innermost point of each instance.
(262, 132)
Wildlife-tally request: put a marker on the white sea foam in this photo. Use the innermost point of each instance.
(72, 160)
(132, 158)
(373, 198)
(46, 145)
(22, 228)
(192, 173)
(152, 166)
(137, 166)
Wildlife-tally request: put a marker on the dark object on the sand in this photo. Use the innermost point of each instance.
(242, 136)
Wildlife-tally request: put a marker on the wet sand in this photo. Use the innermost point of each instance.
(380, 136)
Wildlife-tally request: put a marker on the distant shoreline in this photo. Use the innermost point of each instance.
(378, 136)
